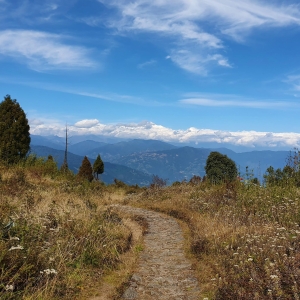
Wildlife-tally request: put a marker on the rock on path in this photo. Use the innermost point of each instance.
(163, 272)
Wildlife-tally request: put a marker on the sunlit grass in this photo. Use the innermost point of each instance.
(64, 238)
(244, 238)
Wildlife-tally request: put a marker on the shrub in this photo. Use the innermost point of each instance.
(220, 168)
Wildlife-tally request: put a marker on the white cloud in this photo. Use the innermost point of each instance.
(233, 103)
(193, 45)
(223, 100)
(86, 123)
(147, 64)
(42, 51)
(294, 80)
(149, 130)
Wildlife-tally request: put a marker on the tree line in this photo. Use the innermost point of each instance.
(15, 146)
(15, 140)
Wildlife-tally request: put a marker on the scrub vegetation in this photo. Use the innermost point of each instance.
(59, 239)
(243, 237)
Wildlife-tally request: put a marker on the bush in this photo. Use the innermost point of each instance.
(220, 168)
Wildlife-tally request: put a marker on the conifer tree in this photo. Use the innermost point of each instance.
(14, 131)
(86, 170)
(98, 166)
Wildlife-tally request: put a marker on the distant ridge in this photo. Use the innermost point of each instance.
(112, 171)
(166, 160)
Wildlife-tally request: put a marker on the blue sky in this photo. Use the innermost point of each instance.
(194, 71)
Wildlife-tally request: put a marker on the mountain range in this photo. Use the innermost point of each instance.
(136, 161)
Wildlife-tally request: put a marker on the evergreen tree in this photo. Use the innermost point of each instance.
(220, 168)
(14, 131)
(98, 166)
(86, 170)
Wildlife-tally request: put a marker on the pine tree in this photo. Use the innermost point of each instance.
(14, 131)
(86, 170)
(98, 166)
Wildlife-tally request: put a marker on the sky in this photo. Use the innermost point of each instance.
(181, 71)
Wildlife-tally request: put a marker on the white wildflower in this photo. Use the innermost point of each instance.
(48, 271)
(9, 287)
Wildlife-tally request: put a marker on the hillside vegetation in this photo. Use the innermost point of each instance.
(244, 239)
(61, 240)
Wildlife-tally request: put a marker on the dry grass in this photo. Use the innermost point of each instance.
(67, 244)
(64, 240)
(244, 239)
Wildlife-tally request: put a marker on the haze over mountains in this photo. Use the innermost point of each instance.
(136, 161)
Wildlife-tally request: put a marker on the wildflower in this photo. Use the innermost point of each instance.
(9, 287)
(49, 271)
(19, 247)
(250, 259)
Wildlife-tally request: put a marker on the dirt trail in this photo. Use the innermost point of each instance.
(163, 271)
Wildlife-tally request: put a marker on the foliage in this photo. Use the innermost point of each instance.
(158, 182)
(195, 180)
(243, 249)
(86, 170)
(220, 168)
(98, 166)
(55, 242)
(289, 174)
(14, 128)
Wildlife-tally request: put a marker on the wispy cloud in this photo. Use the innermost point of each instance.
(191, 45)
(235, 103)
(101, 95)
(223, 100)
(149, 130)
(147, 64)
(294, 81)
(43, 51)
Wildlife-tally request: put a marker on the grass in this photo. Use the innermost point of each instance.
(66, 243)
(244, 240)
(64, 240)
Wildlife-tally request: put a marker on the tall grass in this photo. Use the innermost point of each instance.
(244, 238)
(58, 238)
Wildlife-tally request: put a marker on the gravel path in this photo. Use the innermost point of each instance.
(163, 272)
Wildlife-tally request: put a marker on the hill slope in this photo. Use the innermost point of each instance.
(111, 171)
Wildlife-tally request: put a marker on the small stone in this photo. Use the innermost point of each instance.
(136, 278)
(130, 294)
